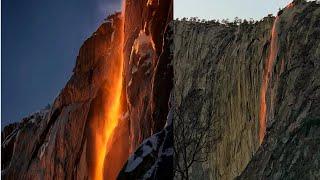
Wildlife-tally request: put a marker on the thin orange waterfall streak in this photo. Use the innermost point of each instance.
(265, 80)
(112, 111)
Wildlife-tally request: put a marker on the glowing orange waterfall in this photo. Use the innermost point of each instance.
(112, 112)
(265, 80)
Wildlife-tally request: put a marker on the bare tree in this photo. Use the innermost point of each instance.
(192, 139)
(237, 21)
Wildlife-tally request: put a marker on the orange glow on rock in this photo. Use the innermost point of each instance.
(290, 5)
(265, 81)
(112, 108)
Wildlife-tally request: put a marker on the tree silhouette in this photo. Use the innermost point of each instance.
(193, 139)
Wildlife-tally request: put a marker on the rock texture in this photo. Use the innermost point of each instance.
(218, 72)
(291, 147)
(217, 75)
(153, 159)
(58, 143)
(54, 144)
(148, 78)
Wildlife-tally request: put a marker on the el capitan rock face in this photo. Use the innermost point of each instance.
(59, 143)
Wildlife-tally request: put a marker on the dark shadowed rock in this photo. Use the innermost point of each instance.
(146, 71)
(154, 157)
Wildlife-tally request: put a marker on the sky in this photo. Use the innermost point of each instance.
(40, 41)
(227, 9)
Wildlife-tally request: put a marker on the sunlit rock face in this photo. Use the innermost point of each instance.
(148, 80)
(109, 138)
(219, 70)
(82, 135)
(57, 143)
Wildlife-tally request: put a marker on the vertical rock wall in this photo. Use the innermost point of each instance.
(153, 159)
(218, 72)
(148, 81)
(54, 144)
(217, 76)
(291, 146)
(58, 143)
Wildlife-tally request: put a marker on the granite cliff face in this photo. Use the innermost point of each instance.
(55, 144)
(148, 78)
(60, 142)
(291, 147)
(198, 72)
(218, 75)
(153, 159)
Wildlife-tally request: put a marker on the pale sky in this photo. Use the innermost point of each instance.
(222, 9)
